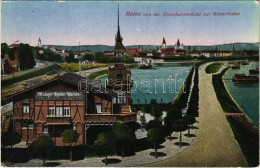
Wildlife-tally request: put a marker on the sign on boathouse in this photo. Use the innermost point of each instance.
(73, 95)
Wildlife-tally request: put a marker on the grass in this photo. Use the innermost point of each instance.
(213, 68)
(96, 74)
(74, 67)
(226, 102)
(52, 69)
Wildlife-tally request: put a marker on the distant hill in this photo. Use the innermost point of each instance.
(222, 47)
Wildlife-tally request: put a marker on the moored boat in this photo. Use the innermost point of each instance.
(245, 62)
(236, 67)
(146, 66)
(242, 78)
(254, 71)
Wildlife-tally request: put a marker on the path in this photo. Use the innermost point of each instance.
(85, 73)
(215, 144)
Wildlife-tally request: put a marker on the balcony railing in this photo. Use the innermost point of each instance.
(109, 118)
(55, 120)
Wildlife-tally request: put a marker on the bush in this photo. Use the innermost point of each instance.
(21, 155)
(225, 100)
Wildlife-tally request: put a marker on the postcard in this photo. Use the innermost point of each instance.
(130, 83)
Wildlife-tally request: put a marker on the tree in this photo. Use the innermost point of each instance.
(70, 136)
(43, 146)
(70, 58)
(123, 133)
(156, 111)
(156, 136)
(4, 50)
(189, 120)
(107, 141)
(153, 124)
(99, 56)
(179, 126)
(10, 138)
(173, 114)
(24, 56)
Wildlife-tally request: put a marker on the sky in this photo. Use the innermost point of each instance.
(92, 23)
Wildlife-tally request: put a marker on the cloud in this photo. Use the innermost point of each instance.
(138, 29)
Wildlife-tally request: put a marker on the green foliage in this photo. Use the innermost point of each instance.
(248, 141)
(23, 54)
(188, 120)
(173, 114)
(224, 98)
(10, 138)
(74, 67)
(153, 124)
(107, 140)
(47, 55)
(96, 74)
(213, 68)
(70, 136)
(173, 58)
(194, 99)
(179, 126)
(89, 57)
(124, 136)
(42, 147)
(31, 74)
(4, 50)
(156, 135)
(71, 58)
(156, 111)
(122, 131)
(182, 97)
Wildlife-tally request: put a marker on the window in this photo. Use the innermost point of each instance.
(98, 106)
(24, 125)
(114, 100)
(45, 129)
(26, 108)
(121, 98)
(30, 126)
(51, 111)
(58, 111)
(119, 77)
(66, 111)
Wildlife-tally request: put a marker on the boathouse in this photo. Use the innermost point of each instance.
(55, 105)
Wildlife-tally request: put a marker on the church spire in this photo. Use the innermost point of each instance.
(118, 39)
(118, 17)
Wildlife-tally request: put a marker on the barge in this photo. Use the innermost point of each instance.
(236, 67)
(242, 78)
(254, 71)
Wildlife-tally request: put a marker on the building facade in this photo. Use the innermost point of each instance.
(62, 103)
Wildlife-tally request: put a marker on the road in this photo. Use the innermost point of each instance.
(85, 73)
(215, 144)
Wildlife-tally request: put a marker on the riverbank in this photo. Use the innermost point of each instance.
(246, 133)
(214, 144)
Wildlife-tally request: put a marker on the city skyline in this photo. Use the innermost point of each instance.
(93, 23)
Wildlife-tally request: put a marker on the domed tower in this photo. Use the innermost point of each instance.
(39, 42)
